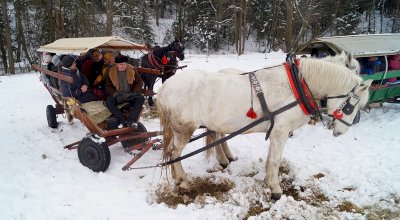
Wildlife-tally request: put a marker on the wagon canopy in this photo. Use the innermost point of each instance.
(82, 45)
(359, 45)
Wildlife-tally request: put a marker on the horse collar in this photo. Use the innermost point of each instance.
(300, 89)
(153, 61)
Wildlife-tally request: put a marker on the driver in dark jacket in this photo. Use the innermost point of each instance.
(79, 87)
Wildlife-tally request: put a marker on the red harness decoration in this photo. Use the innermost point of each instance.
(164, 60)
(153, 60)
(296, 93)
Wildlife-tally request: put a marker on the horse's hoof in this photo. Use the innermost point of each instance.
(232, 159)
(150, 101)
(183, 187)
(224, 165)
(276, 196)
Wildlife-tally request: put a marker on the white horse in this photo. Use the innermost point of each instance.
(219, 102)
(222, 151)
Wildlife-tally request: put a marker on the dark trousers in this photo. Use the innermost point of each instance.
(136, 106)
(87, 97)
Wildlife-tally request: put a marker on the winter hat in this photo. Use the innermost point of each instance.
(107, 55)
(121, 59)
(46, 59)
(56, 60)
(67, 61)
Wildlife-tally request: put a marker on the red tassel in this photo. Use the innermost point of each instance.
(164, 60)
(251, 113)
(338, 114)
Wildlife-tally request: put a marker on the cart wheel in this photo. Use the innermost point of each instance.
(95, 156)
(357, 118)
(130, 143)
(51, 116)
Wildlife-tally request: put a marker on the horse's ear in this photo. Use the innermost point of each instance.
(349, 58)
(365, 85)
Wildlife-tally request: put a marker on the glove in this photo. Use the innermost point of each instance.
(119, 97)
(131, 96)
(126, 97)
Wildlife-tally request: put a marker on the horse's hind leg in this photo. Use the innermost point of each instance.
(278, 140)
(179, 142)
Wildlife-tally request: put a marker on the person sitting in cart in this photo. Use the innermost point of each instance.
(92, 69)
(394, 64)
(372, 65)
(124, 84)
(109, 61)
(79, 88)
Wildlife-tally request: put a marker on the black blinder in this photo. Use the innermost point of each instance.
(348, 108)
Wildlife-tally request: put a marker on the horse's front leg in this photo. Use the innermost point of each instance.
(151, 83)
(227, 151)
(278, 140)
(220, 153)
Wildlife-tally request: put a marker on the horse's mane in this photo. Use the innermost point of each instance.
(341, 59)
(159, 52)
(328, 76)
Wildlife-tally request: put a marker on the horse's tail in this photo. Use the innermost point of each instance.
(165, 121)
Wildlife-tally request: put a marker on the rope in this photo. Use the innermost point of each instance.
(145, 167)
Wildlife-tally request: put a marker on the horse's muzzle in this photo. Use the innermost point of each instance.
(336, 134)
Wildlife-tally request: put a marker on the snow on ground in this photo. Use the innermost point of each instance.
(41, 180)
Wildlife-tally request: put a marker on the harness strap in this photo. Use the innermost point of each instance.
(336, 97)
(260, 95)
(240, 131)
(341, 120)
(263, 103)
(201, 135)
(317, 110)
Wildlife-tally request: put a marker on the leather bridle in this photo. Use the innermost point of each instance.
(346, 107)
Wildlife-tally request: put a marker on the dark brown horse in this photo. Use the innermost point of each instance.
(164, 59)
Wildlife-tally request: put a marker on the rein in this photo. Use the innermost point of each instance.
(240, 131)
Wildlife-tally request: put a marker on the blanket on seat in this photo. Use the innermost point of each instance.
(97, 111)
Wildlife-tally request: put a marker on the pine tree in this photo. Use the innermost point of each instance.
(347, 18)
(134, 21)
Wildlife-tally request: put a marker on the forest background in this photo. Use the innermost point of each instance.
(204, 25)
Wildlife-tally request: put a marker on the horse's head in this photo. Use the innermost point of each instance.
(344, 108)
(177, 47)
(344, 59)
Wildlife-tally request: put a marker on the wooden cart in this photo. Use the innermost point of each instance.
(93, 150)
